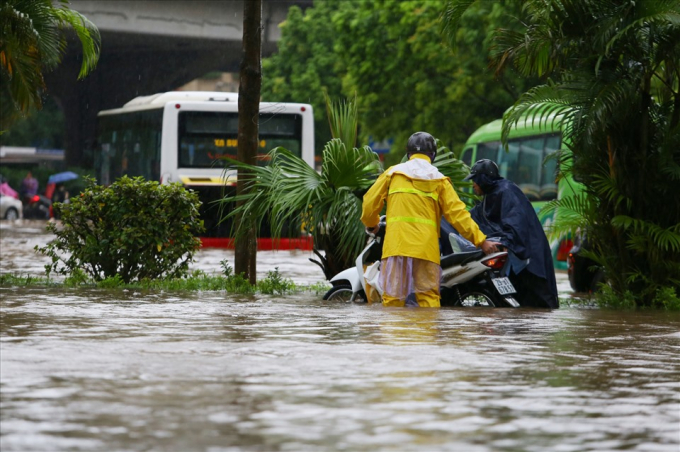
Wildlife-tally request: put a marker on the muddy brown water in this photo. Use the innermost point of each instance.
(97, 370)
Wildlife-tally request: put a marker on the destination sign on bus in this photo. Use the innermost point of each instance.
(233, 143)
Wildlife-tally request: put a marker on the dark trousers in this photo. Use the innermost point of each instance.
(534, 291)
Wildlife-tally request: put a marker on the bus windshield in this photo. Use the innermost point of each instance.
(523, 163)
(130, 145)
(205, 138)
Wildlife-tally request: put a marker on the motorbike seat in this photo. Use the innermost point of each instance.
(460, 258)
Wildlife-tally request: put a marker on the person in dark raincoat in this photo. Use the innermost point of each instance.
(506, 212)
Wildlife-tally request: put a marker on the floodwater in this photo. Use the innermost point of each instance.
(91, 370)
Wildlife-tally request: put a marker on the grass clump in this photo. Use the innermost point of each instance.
(273, 284)
(8, 280)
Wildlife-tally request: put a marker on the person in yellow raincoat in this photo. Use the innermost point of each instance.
(417, 196)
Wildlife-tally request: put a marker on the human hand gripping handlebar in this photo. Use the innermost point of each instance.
(490, 247)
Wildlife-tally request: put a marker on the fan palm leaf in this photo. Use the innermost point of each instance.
(326, 205)
(33, 40)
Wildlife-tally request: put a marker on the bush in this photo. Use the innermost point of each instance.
(132, 230)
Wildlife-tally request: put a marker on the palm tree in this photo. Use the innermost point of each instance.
(615, 68)
(326, 205)
(33, 40)
(289, 192)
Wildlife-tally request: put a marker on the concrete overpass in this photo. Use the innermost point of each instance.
(150, 46)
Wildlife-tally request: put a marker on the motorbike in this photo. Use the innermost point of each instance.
(469, 278)
(37, 207)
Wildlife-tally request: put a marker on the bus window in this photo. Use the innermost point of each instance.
(548, 184)
(206, 137)
(488, 151)
(507, 161)
(130, 145)
(466, 156)
(529, 167)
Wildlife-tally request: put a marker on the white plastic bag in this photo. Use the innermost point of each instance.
(372, 278)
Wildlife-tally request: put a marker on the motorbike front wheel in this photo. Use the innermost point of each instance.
(343, 292)
(479, 298)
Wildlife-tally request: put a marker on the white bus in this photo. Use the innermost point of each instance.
(182, 136)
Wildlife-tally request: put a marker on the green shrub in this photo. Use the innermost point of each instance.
(668, 298)
(133, 229)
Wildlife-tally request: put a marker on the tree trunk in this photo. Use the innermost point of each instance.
(248, 124)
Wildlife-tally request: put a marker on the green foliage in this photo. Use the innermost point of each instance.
(391, 54)
(235, 283)
(305, 64)
(615, 89)
(76, 277)
(9, 280)
(111, 282)
(289, 191)
(343, 120)
(274, 284)
(42, 129)
(318, 288)
(33, 40)
(408, 79)
(135, 229)
(667, 298)
(607, 297)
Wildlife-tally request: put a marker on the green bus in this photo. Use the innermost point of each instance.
(525, 164)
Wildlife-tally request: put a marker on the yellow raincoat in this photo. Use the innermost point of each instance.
(417, 196)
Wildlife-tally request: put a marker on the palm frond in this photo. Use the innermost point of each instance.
(571, 214)
(343, 119)
(546, 106)
(607, 188)
(450, 19)
(664, 12)
(349, 167)
(667, 239)
(87, 33)
(453, 168)
(33, 41)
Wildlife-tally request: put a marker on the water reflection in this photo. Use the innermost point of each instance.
(99, 370)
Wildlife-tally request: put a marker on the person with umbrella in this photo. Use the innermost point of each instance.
(56, 190)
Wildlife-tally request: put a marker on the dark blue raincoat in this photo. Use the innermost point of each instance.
(506, 213)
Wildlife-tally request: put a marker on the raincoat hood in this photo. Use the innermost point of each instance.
(485, 182)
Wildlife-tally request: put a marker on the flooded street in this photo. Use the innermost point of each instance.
(93, 370)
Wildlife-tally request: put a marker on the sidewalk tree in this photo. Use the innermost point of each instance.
(614, 69)
(248, 130)
(288, 191)
(33, 35)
